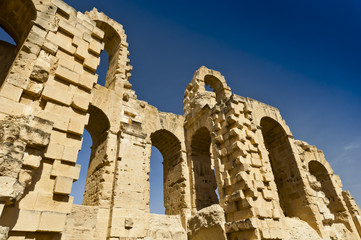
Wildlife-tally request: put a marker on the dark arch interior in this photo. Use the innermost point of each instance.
(98, 123)
(170, 148)
(204, 176)
(77, 189)
(167, 143)
(16, 19)
(216, 85)
(335, 204)
(284, 167)
(97, 127)
(7, 55)
(112, 47)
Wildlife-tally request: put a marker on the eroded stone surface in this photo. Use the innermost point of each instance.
(297, 229)
(208, 223)
(166, 227)
(81, 223)
(10, 188)
(4, 233)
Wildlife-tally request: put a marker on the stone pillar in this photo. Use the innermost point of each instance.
(130, 210)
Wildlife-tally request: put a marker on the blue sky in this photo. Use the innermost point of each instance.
(302, 57)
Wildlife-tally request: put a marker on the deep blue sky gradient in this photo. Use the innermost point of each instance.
(302, 57)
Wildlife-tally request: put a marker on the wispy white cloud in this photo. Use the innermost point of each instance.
(352, 146)
(348, 154)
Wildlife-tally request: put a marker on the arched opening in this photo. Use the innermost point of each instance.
(7, 54)
(214, 84)
(205, 183)
(5, 37)
(103, 68)
(330, 204)
(110, 56)
(77, 190)
(173, 179)
(285, 170)
(95, 157)
(16, 20)
(156, 201)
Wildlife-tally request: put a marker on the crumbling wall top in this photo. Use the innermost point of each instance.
(196, 96)
(115, 44)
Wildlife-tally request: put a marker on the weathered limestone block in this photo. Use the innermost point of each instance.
(10, 165)
(17, 133)
(63, 6)
(294, 228)
(208, 223)
(164, 227)
(4, 233)
(87, 80)
(51, 221)
(76, 126)
(65, 170)
(122, 218)
(34, 136)
(11, 92)
(354, 210)
(40, 73)
(20, 220)
(63, 185)
(67, 75)
(70, 154)
(62, 41)
(98, 33)
(91, 62)
(10, 188)
(81, 223)
(80, 102)
(57, 95)
(54, 151)
(68, 28)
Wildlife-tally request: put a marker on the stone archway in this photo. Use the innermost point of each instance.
(284, 167)
(170, 148)
(16, 19)
(331, 206)
(97, 127)
(204, 178)
(114, 43)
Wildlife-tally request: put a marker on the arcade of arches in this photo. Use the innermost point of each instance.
(231, 166)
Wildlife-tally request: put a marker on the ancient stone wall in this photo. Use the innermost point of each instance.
(231, 166)
(259, 167)
(50, 78)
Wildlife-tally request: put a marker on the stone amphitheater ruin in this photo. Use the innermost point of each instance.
(270, 185)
